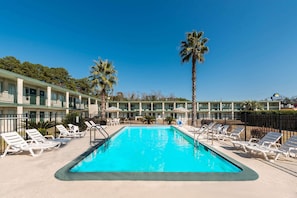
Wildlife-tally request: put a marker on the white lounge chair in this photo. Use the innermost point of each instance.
(68, 133)
(197, 129)
(73, 128)
(268, 140)
(116, 121)
(37, 137)
(233, 135)
(216, 128)
(89, 126)
(98, 125)
(201, 132)
(16, 144)
(220, 131)
(286, 149)
(214, 131)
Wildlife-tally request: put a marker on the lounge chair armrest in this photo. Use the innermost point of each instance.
(269, 144)
(30, 141)
(278, 145)
(228, 133)
(234, 135)
(49, 137)
(292, 149)
(253, 140)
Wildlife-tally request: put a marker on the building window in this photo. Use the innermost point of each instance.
(42, 97)
(54, 96)
(12, 91)
(41, 116)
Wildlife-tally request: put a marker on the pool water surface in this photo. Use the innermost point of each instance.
(153, 149)
(153, 153)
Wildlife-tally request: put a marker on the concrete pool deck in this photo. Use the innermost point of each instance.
(25, 176)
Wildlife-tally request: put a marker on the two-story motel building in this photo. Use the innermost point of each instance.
(20, 95)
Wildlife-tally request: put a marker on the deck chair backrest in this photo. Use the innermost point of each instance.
(224, 129)
(35, 135)
(290, 143)
(62, 129)
(88, 124)
(14, 139)
(211, 125)
(238, 130)
(92, 123)
(73, 128)
(216, 128)
(271, 137)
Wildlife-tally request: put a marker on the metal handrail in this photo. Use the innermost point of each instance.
(100, 130)
(103, 130)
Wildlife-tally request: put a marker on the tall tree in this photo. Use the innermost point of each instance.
(193, 48)
(251, 105)
(103, 78)
(83, 85)
(10, 63)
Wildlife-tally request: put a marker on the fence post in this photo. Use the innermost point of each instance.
(280, 124)
(245, 121)
(27, 124)
(55, 125)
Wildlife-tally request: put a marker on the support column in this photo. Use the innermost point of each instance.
(140, 108)
(20, 89)
(209, 113)
(67, 102)
(232, 110)
(80, 101)
(49, 96)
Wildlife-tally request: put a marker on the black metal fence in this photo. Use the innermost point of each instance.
(20, 122)
(256, 125)
(259, 124)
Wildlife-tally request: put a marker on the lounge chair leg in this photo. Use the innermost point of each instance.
(266, 157)
(35, 155)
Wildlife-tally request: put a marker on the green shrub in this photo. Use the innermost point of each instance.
(149, 119)
(41, 126)
(169, 119)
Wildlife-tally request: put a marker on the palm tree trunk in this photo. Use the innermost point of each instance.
(103, 106)
(194, 104)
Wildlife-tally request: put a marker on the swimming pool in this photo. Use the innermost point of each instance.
(153, 153)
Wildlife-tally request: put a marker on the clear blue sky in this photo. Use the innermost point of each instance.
(252, 43)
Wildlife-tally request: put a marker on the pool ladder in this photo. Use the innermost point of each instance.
(101, 130)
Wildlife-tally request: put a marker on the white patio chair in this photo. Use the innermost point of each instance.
(98, 125)
(89, 126)
(214, 131)
(270, 139)
(73, 128)
(233, 135)
(68, 133)
(220, 132)
(197, 129)
(37, 137)
(16, 144)
(287, 149)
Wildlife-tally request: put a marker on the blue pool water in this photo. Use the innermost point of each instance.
(153, 149)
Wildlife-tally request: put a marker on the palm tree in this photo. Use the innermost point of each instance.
(250, 105)
(193, 48)
(103, 78)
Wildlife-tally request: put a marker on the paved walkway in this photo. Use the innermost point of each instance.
(24, 176)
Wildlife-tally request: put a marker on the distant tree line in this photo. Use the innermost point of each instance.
(56, 76)
(60, 76)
